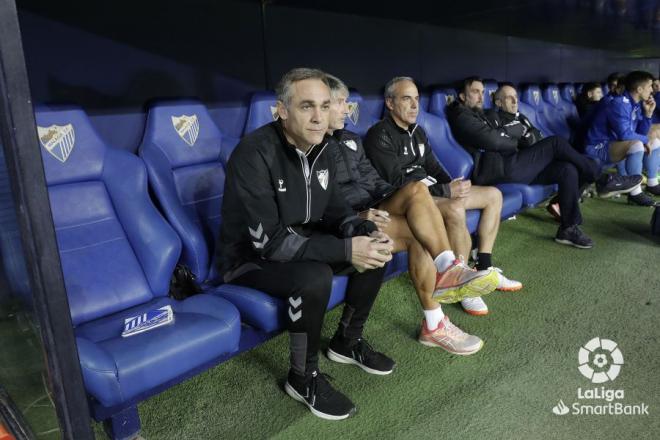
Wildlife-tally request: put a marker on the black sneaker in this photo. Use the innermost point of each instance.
(320, 397)
(641, 199)
(655, 190)
(573, 236)
(612, 184)
(360, 354)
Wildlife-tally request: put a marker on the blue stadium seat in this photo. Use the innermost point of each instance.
(262, 110)
(440, 98)
(606, 88)
(117, 256)
(567, 92)
(530, 96)
(424, 99)
(187, 178)
(490, 86)
(373, 107)
(359, 120)
(557, 112)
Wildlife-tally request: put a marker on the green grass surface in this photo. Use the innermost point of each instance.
(506, 391)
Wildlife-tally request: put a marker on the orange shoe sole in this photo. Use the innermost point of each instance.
(476, 313)
(510, 289)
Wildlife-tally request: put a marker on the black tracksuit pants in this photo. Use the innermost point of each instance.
(306, 286)
(554, 160)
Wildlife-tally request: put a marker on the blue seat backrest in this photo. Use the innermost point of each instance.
(578, 88)
(115, 249)
(531, 95)
(567, 92)
(557, 111)
(182, 150)
(439, 100)
(424, 99)
(490, 86)
(456, 161)
(262, 110)
(359, 120)
(606, 88)
(373, 107)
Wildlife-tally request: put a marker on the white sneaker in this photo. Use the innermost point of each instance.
(475, 306)
(505, 284)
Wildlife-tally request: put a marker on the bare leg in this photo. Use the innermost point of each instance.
(489, 200)
(453, 213)
(420, 263)
(415, 203)
(619, 150)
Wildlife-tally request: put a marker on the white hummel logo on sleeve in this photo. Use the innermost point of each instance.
(259, 243)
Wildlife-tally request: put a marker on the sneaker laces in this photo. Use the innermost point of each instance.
(365, 349)
(320, 385)
(452, 330)
(460, 261)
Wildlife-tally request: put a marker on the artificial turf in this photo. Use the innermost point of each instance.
(506, 391)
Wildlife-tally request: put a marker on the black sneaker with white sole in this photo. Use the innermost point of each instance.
(655, 190)
(641, 199)
(573, 236)
(360, 353)
(609, 185)
(315, 392)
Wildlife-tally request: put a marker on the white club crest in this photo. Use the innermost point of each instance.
(350, 143)
(187, 127)
(323, 177)
(273, 112)
(353, 112)
(449, 99)
(58, 140)
(555, 96)
(536, 96)
(421, 148)
(571, 92)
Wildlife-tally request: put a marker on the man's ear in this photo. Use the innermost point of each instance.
(461, 96)
(282, 112)
(388, 104)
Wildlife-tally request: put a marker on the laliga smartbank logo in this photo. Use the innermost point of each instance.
(600, 361)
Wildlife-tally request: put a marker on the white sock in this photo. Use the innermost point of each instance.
(637, 190)
(444, 260)
(652, 182)
(433, 318)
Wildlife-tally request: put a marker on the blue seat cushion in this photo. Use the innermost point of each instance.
(267, 312)
(532, 195)
(116, 369)
(512, 202)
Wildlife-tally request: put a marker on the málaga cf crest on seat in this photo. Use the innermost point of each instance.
(187, 127)
(58, 140)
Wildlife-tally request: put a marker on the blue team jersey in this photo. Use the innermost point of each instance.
(618, 118)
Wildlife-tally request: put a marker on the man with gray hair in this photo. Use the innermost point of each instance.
(286, 230)
(399, 150)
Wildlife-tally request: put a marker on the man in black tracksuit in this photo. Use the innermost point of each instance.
(286, 230)
(504, 151)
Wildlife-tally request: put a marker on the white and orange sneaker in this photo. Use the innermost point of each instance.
(460, 281)
(474, 306)
(505, 284)
(450, 338)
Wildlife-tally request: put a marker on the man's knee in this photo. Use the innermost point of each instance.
(493, 196)
(415, 189)
(453, 211)
(314, 280)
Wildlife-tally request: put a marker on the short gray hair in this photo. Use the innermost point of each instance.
(284, 90)
(389, 87)
(336, 85)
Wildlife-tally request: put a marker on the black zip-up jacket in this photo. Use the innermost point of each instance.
(402, 156)
(281, 204)
(359, 181)
(487, 144)
(516, 125)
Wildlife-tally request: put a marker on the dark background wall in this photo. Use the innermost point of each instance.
(113, 60)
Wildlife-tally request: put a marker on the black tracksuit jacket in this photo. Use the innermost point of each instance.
(516, 125)
(359, 181)
(283, 205)
(488, 145)
(402, 156)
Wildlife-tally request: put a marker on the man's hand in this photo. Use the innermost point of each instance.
(371, 252)
(649, 106)
(459, 188)
(379, 217)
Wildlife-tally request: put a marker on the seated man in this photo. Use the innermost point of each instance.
(286, 229)
(409, 216)
(586, 101)
(622, 129)
(503, 154)
(399, 150)
(615, 84)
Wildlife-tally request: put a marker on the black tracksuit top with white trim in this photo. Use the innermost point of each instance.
(402, 156)
(283, 205)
